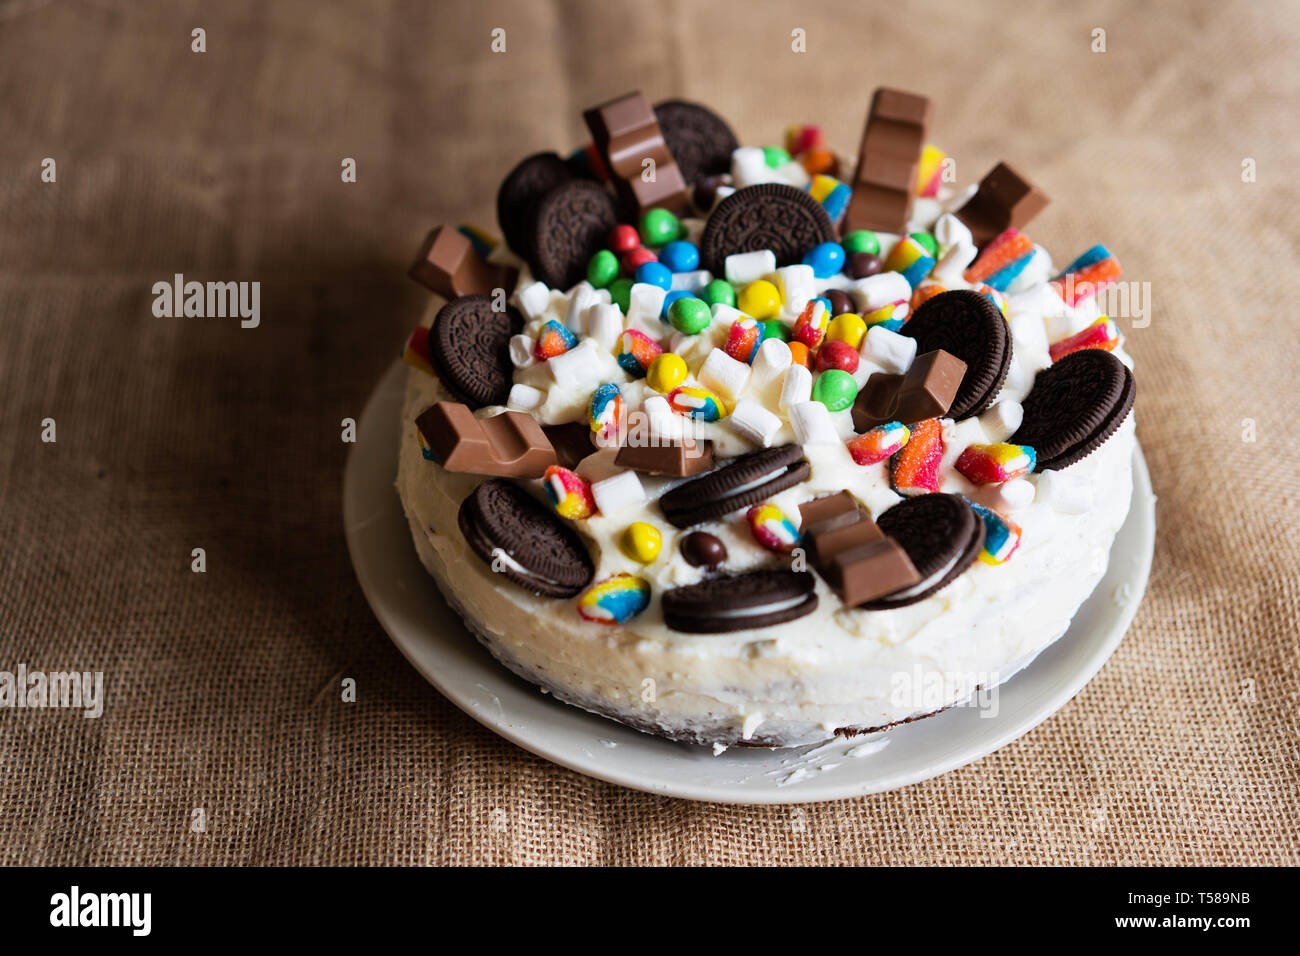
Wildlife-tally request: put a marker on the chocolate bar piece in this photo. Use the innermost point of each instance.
(510, 445)
(1004, 200)
(887, 162)
(626, 134)
(571, 441)
(828, 511)
(870, 570)
(824, 543)
(876, 401)
(678, 461)
(449, 265)
(926, 391)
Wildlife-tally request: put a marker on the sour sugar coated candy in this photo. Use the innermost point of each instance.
(697, 403)
(1001, 536)
(990, 464)
(742, 340)
(879, 443)
(570, 494)
(915, 469)
(1102, 334)
(772, 529)
(553, 339)
(605, 412)
(615, 600)
(911, 260)
(636, 351)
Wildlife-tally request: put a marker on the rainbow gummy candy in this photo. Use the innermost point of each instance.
(636, 351)
(801, 137)
(697, 403)
(995, 296)
(811, 324)
(743, 339)
(929, 172)
(1002, 260)
(772, 529)
(1087, 275)
(890, 316)
(416, 353)
(911, 260)
(832, 194)
(569, 493)
(1102, 334)
(915, 469)
(605, 411)
(992, 464)
(877, 444)
(615, 600)
(924, 292)
(553, 339)
(1001, 537)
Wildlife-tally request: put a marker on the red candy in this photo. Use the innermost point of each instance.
(877, 444)
(810, 327)
(636, 258)
(837, 354)
(1102, 334)
(915, 468)
(623, 239)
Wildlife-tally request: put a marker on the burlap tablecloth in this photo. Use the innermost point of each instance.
(175, 434)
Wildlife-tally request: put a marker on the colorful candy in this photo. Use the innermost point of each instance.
(553, 339)
(1086, 275)
(801, 137)
(659, 227)
(834, 197)
(1001, 537)
(915, 468)
(800, 355)
(635, 259)
(697, 403)
(636, 351)
(996, 297)
(835, 354)
(875, 445)
(1102, 334)
(891, 316)
(911, 260)
(689, 315)
(569, 492)
(605, 412)
(861, 241)
(743, 339)
(1002, 260)
(927, 242)
(416, 352)
(847, 327)
(720, 292)
(836, 389)
(772, 529)
(826, 259)
(623, 239)
(654, 272)
(993, 464)
(812, 323)
(666, 372)
(760, 299)
(929, 172)
(615, 600)
(680, 256)
(775, 329)
(924, 292)
(602, 269)
(620, 293)
(641, 541)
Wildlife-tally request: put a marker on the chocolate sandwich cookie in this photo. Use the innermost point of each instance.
(699, 139)
(941, 534)
(469, 345)
(740, 602)
(1074, 406)
(573, 221)
(746, 481)
(521, 540)
(519, 194)
(968, 325)
(767, 216)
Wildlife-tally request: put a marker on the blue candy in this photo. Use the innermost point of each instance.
(680, 256)
(655, 273)
(826, 259)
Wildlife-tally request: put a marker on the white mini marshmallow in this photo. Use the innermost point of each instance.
(1001, 421)
(525, 397)
(579, 368)
(660, 420)
(797, 285)
(533, 300)
(725, 314)
(773, 358)
(581, 297)
(950, 231)
(521, 351)
(749, 167)
(796, 387)
(692, 282)
(743, 268)
(605, 324)
(812, 424)
(890, 350)
(724, 375)
(948, 271)
(1066, 492)
(1009, 495)
(645, 303)
(1029, 336)
(618, 493)
(751, 420)
(879, 290)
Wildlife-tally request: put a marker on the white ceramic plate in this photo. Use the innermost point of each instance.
(431, 636)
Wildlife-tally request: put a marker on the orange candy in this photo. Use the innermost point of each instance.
(799, 352)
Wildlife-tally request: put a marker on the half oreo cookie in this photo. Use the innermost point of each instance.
(767, 216)
(941, 534)
(746, 481)
(699, 139)
(739, 602)
(521, 540)
(469, 345)
(1074, 406)
(968, 325)
(571, 225)
(519, 194)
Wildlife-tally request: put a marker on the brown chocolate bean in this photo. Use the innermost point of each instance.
(510, 445)
(863, 264)
(703, 550)
(840, 302)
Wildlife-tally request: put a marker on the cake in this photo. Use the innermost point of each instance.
(763, 445)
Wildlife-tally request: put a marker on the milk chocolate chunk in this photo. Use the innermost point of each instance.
(876, 401)
(571, 441)
(828, 511)
(929, 387)
(449, 265)
(887, 162)
(1004, 200)
(871, 570)
(627, 134)
(510, 445)
(678, 461)
(823, 543)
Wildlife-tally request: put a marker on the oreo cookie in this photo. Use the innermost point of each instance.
(469, 345)
(740, 602)
(745, 481)
(1074, 406)
(521, 190)
(699, 139)
(767, 216)
(941, 534)
(571, 225)
(523, 541)
(968, 325)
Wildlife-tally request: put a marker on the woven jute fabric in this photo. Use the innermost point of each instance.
(1177, 146)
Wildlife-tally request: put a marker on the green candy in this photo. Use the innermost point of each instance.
(689, 315)
(602, 269)
(620, 290)
(775, 156)
(862, 240)
(776, 329)
(835, 389)
(659, 226)
(926, 241)
(720, 292)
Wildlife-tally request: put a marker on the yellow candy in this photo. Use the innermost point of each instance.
(760, 299)
(848, 328)
(642, 541)
(666, 372)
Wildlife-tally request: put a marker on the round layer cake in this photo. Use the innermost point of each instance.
(842, 482)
